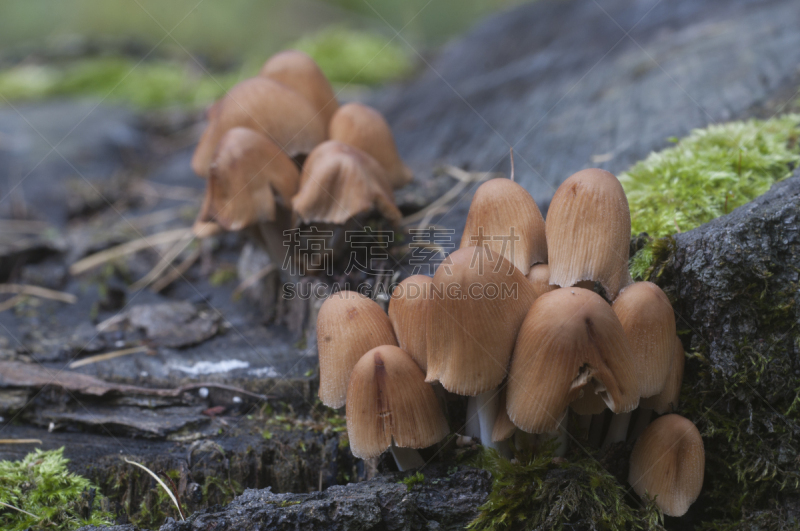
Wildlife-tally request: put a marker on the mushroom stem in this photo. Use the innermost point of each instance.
(596, 430)
(472, 428)
(406, 458)
(271, 237)
(643, 418)
(487, 404)
(585, 423)
(618, 429)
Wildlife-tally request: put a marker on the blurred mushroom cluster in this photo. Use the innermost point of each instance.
(279, 152)
(530, 320)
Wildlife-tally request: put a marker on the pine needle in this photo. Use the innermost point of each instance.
(160, 482)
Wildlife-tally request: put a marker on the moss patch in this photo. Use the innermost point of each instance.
(41, 485)
(540, 492)
(709, 173)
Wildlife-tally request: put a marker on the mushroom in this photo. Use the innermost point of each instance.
(539, 277)
(649, 323)
(570, 337)
(668, 463)
(348, 325)
(408, 311)
(301, 73)
(503, 427)
(268, 107)
(478, 302)
(340, 181)
(504, 217)
(365, 128)
(390, 405)
(667, 400)
(588, 232)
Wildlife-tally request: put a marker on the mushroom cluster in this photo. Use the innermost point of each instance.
(529, 320)
(279, 151)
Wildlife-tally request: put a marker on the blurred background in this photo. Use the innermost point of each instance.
(189, 52)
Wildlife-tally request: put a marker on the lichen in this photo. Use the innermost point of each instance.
(542, 492)
(709, 173)
(41, 485)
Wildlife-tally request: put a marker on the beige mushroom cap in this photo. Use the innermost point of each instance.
(408, 311)
(569, 338)
(387, 398)
(589, 231)
(268, 107)
(649, 323)
(667, 400)
(365, 128)
(248, 171)
(301, 73)
(539, 277)
(348, 325)
(668, 463)
(504, 216)
(479, 300)
(503, 427)
(339, 182)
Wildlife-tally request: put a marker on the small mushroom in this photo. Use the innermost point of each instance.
(301, 73)
(408, 311)
(340, 181)
(389, 403)
(668, 463)
(365, 128)
(348, 325)
(570, 337)
(247, 174)
(265, 106)
(504, 217)
(588, 232)
(539, 277)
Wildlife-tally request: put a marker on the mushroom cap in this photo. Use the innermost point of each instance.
(649, 323)
(539, 277)
(408, 311)
(504, 216)
(268, 107)
(339, 182)
(668, 463)
(348, 325)
(387, 398)
(247, 172)
(569, 338)
(301, 73)
(503, 427)
(589, 231)
(667, 400)
(479, 300)
(363, 127)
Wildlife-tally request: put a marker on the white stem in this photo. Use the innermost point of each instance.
(642, 421)
(473, 427)
(618, 429)
(487, 404)
(406, 458)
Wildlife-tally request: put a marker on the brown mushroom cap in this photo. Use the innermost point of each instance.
(668, 463)
(265, 106)
(504, 216)
(301, 73)
(539, 277)
(503, 427)
(589, 231)
(649, 323)
(387, 398)
(365, 128)
(348, 325)
(339, 182)
(569, 338)
(479, 300)
(408, 311)
(246, 174)
(667, 400)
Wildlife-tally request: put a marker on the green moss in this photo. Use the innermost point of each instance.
(540, 492)
(41, 485)
(413, 479)
(709, 173)
(356, 57)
